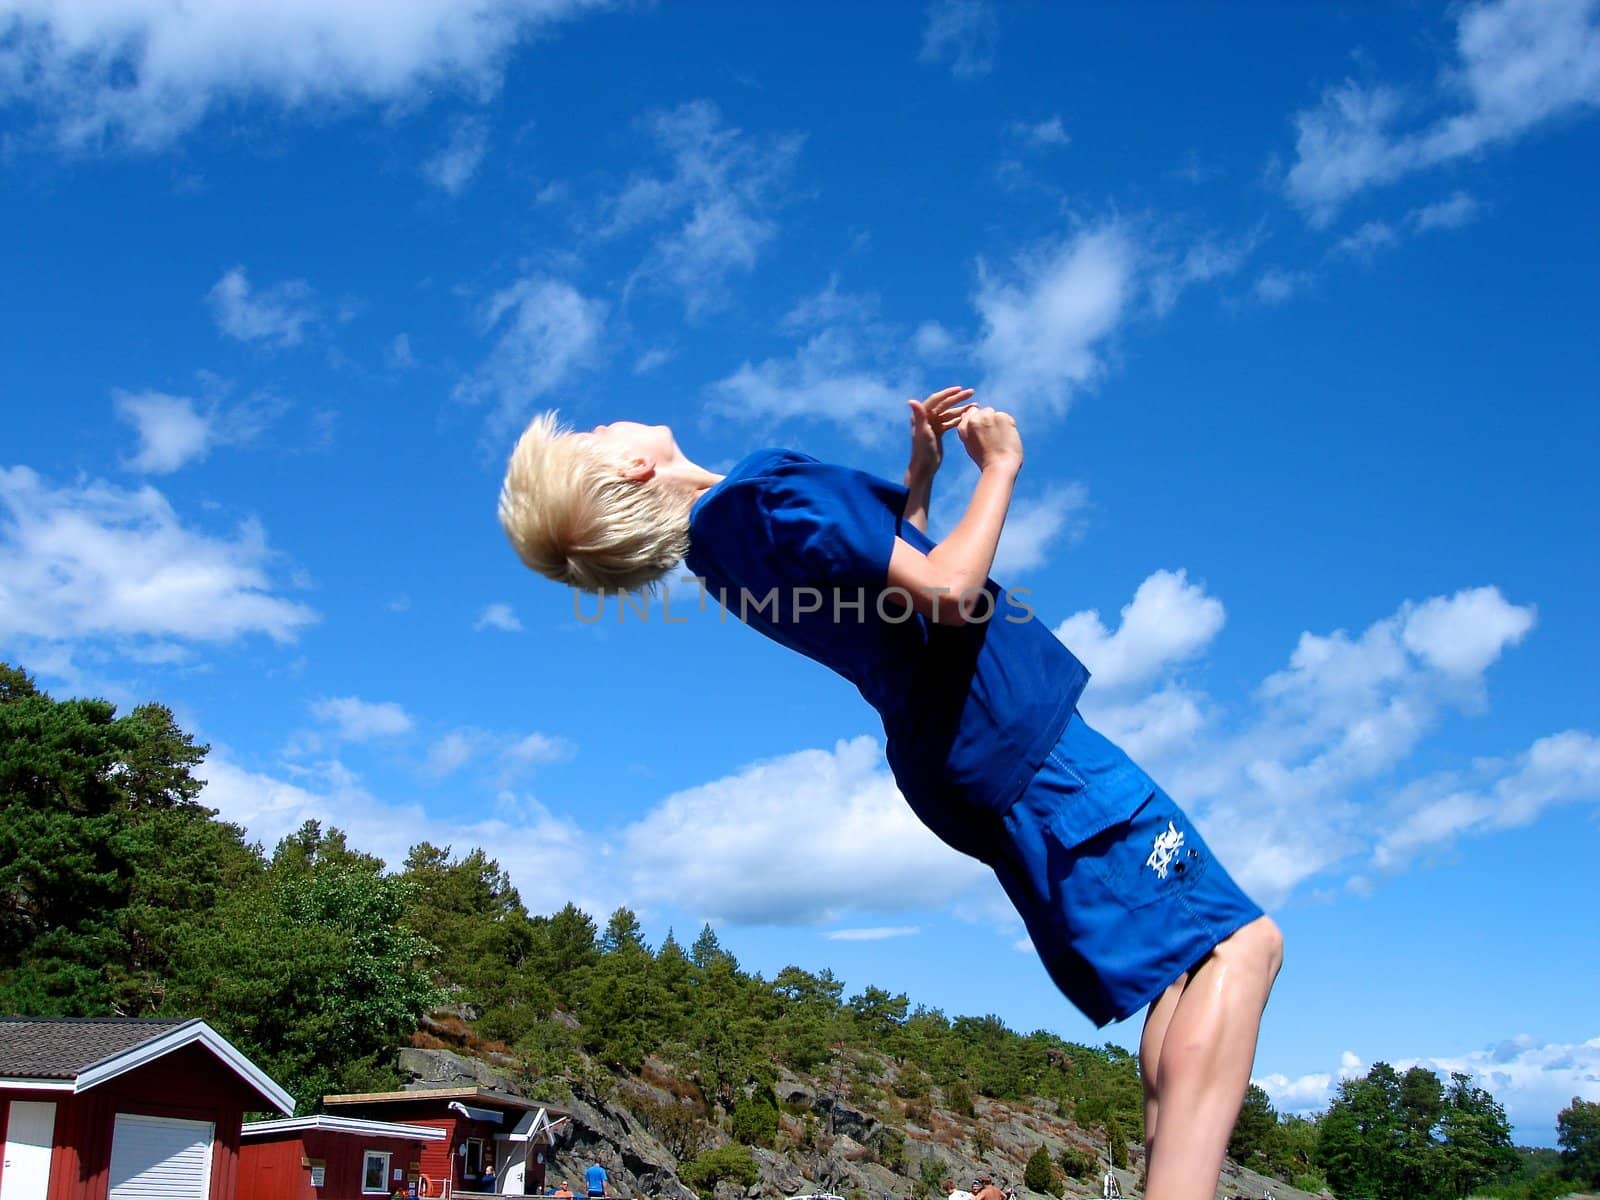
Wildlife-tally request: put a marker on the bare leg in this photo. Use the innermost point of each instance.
(1156, 1020)
(1198, 1067)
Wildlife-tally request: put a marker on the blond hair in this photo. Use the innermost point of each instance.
(575, 518)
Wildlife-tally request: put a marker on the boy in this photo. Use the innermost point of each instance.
(1119, 894)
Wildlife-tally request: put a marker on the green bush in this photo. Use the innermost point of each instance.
(754, 1123)
(733, 1162)
(1079, 1165)
(959, 1097)
(1040, 1173)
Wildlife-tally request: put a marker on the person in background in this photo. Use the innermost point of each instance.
(563, 1192)
(952, 1192)
(596, 1177)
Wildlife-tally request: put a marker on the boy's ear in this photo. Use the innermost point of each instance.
(639, 469)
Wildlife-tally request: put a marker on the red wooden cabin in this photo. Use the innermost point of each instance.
(330, 1158)
(479, 1124)
(124, 1109)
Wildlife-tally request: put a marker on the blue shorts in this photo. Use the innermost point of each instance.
(1119, 893)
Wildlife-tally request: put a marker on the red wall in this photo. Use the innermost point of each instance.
(189, 1084)
(269, 1167)
(440, 1160)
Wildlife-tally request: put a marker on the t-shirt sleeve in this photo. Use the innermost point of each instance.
(836, 524)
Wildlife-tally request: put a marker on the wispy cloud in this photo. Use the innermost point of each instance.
(352, 719)
(1459, 210)
(793, 840)
(1275, 285)
(1047, 134)
(141, 73)
(1533, 1079)
(272, 807)
(878, 933)
(1278, 785)
(452, 168)
(505, 756)
(547, 332)
(715, 202)
(92, 562)
(276, 316)
(1518, 64)
(174, 431)
(964, 33)
(500, 617)
(1045, 322)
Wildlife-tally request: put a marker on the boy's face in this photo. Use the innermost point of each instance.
(630, 441)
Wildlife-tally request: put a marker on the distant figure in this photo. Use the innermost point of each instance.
(1109, 1189)
(563, 1192)
(988, 1191)
(596, 1175)
(952, 1192)
(486, 1180)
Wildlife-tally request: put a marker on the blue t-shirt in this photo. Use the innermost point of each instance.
(799, 549)
(596, 1175)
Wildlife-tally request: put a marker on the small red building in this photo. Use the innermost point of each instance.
(124, 1109)
(493, 1141)
(330, 1158)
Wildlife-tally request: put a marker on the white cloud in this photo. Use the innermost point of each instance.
(652, 360)
(1275, 285)
(965, 33)
(1033, 524)
(177, 430)
(399, 355)
(171, 432)
(877, 933)
(506, 756)
(356, 720)
(1366, 241)
(93, 561)
(453, 167)
(1458, 210)
(1045, 327)
(1206, 260)
(715, 199)
(1532, 1079)
(500, 617)
(277, 316)
(824, 379)
(793, 840)
(1462, 634)
(141, 73)
(522, 833)
(1433, 813)
(1049, 133)
(1284, 787)
(1517, 65)
(548, 331)
(1168, 621)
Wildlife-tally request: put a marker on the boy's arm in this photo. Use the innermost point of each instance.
(958, 567)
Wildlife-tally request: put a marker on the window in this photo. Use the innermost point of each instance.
(375, 1173)
(474, 1164)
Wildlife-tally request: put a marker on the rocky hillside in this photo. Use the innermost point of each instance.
(832, 1137)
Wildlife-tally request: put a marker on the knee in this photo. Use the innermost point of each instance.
(1271, 945)
(1258, 946)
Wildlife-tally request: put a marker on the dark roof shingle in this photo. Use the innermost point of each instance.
(63, 1047)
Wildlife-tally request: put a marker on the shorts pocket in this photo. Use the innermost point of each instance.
(1086, 802)
(1152, 857)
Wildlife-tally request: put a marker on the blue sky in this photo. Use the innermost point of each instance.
(1295, 305)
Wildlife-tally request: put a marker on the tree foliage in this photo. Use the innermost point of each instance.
(1578, 1135)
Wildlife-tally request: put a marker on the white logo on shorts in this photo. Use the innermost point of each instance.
(1166, 847)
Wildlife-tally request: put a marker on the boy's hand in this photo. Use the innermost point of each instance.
(991, 438)
(930, 419)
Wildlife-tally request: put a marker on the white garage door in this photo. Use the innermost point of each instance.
(158, 1158)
